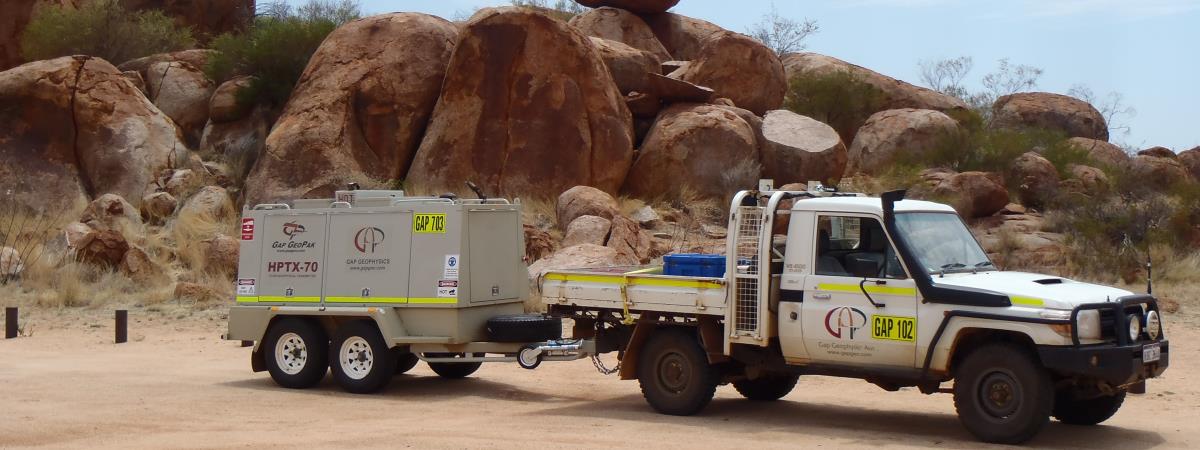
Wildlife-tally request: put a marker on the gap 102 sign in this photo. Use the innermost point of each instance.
(429, 223)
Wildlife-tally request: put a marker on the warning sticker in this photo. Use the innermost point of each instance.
(447, 288)
(246, 286)
(450, 270)
(247, 229)
(894, 328)
(429, 223)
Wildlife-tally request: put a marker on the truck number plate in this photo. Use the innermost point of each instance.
(1151, 353)
(429, 223)
(894, 328)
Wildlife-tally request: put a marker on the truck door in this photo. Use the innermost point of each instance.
(859, 306)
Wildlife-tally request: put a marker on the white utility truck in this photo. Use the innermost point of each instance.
(818, 282)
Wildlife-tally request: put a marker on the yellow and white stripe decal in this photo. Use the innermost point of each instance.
(408, 300)
(634, 281)
(873, 289)
(1026, 301)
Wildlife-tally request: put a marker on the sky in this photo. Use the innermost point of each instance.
(1146, 50)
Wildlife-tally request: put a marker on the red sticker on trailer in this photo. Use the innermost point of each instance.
(247, 229)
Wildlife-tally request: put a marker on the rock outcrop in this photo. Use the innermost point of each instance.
(1036, 178)
(196, 58)
(182, 92)
(622, 26)
(1070, 115)
(1102, 152)
(704, 148)
(105, 249)
(211, 203)
(111, 212)
(682, 36)
(237, 143)
(741, 69)
(75, 128)
(637, 6)
(973, 194)
(528, 108)
(896, 94)
(575, 257)
(630, 68)
(223, 105)
(581, 201)
(898, 134)
(157, 207)
(630, 241)
(798, 149)
(1190, 159)
(1157, 172)
(359, 110)
(1161, 152)
(587, 230)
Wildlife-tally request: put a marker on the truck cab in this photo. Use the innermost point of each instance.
(893, 291)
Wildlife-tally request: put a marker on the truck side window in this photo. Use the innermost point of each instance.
(846, 245)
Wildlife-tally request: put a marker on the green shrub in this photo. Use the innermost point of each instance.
(104, 29)
(559, 9)
(841, 99)
(277, 47)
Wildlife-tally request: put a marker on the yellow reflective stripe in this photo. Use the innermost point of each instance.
(433, 300)
(634, 281)
(1026, 301)
(247, 298)
(873, 289)
(366, 299)
(281, 299)
(648, 270)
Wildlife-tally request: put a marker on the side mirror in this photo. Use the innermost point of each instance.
(863, 267)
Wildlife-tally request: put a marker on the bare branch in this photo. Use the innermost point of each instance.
(781, 34)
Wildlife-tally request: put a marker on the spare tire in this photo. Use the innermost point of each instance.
(523, 328)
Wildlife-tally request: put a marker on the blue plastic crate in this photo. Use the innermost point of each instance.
(694, 265)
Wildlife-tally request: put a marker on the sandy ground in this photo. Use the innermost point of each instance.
(176, 384)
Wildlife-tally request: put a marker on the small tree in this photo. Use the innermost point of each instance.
(1112, 107)
(276, 49)
(101, 28)
(1009, 79)
(947, 75)
(782, 34)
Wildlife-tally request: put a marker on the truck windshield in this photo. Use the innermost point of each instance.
(942, 243)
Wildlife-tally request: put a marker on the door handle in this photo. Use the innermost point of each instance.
(822, 296)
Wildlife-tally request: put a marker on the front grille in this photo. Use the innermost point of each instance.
(1108, 320)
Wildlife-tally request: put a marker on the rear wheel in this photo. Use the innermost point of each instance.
(766, 388)
(674, 373)
(405, 361)
(1091, 411)
(361, 361)
(1002, 394)
(296, 352)
(453, 370)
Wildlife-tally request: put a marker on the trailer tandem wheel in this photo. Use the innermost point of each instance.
(360, 359)
(453, 370)
(295, 352)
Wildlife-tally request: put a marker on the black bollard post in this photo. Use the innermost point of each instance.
(10, 322)
(122, 326)
(247, 343)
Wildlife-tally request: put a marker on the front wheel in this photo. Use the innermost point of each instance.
(766, 388)
(1071, 410)
(675, 375)
(295, 352)
(1002, 394)
(361, 361)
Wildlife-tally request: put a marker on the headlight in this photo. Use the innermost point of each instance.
(1135, 326)
(1087, 321)
(1153, 325)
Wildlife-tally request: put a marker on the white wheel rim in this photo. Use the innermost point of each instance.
(291, 354)
(356, 358)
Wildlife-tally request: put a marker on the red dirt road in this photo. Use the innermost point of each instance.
(177, 385)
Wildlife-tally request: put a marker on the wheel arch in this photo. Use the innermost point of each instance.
(969, 339)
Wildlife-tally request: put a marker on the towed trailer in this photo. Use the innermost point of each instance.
(817, 282)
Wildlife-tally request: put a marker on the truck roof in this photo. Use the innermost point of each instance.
(871, 205)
